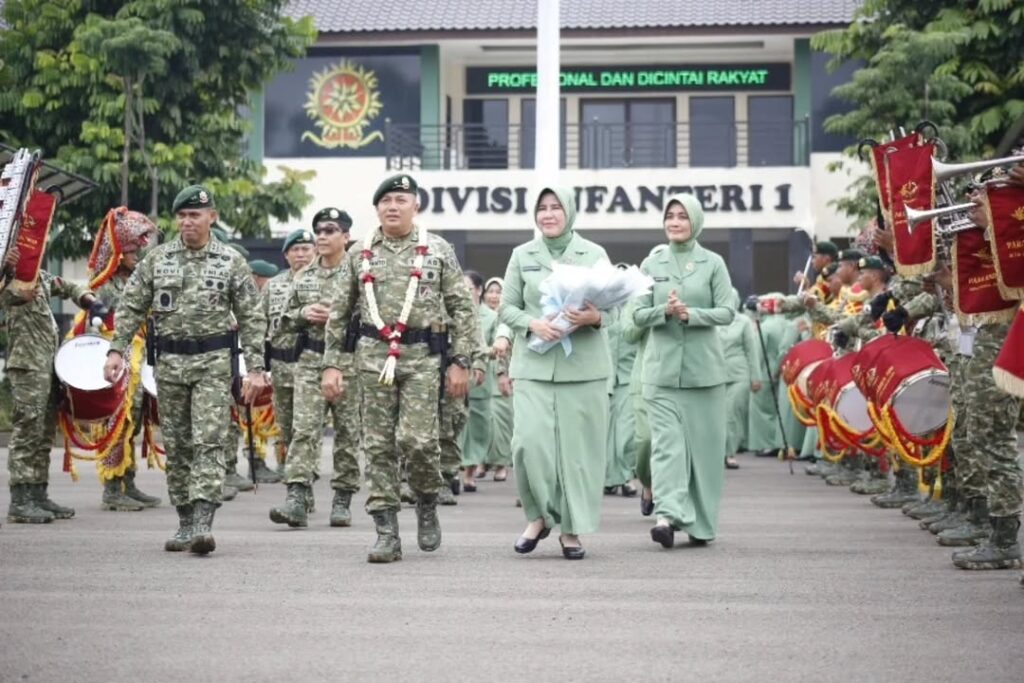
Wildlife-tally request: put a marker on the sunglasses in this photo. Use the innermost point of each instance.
(327, 230)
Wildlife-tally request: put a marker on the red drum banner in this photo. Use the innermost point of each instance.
(32, 236)
(880, 171)
(975, 286)
(912, 184)
(1005, 208)
(1009, 366)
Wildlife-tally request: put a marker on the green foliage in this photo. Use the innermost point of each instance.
(163, 83)
(960, 65)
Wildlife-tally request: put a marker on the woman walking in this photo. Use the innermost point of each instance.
(684, 375)
(560, 401)
(500, 453)
(739, 347)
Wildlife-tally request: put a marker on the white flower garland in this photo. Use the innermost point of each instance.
(393, 336)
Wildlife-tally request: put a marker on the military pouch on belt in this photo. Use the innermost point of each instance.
(438, 342)
(266, 355)
(352, 334)
(236, 379)
(151, 342)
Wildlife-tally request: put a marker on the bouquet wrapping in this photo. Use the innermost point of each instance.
(602, 285)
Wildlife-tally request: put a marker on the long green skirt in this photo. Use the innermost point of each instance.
(500, 452)
(621, 438)
(687, 443)
(763, 424)
(476, 437)
(737, 399)
(795, 430)
(643, 439)
(558, 451)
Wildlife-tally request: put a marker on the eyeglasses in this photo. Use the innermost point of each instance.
(326, 230)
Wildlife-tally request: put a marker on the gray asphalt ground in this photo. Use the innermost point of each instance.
(805, 583)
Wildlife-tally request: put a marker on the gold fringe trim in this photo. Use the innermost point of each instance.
(1008, 382)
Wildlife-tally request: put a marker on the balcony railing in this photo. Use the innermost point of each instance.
(600, 145)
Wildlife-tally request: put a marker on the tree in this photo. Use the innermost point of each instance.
(960, 65)
(153, 91)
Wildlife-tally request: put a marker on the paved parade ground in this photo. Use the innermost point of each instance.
(806, 582)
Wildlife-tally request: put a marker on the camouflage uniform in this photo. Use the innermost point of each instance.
(282, 368)
(192, 294)
(31, 346)
(401, 420)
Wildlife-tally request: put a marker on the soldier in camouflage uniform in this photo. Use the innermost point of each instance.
(399, 372)
(298, 251)
(305, 315)
(31, 346)
(192, 286)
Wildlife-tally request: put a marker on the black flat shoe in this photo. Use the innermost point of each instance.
(526, 545)
(611, 490)
(699, 542)
(572, 553)
(469, 488)
(646, 506)
(628, 490)
(731, 464)
(665, 535)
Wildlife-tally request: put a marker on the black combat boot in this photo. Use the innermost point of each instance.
(24, 509)
(341, 515)
(202, 527)
(905, 490)
(1001, 551)
(42, 499)
(183, 536)
(428, 527)
(133, 492)
(239, 482)
(974, 530)
(115, 499)
(265, 475)
(388, 547)
(295, 511)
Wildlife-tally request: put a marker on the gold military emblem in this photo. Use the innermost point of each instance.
(307, 235)
(983, 255)
(203, 197)
(342, 101)
(689, 267)
(404, 183)
(908, 191)
(334, 213)
(1018, 213)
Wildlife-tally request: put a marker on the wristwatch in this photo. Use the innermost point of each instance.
(461, 361)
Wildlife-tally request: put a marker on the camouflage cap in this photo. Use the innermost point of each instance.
(851, 255)
(263, 268)
(300, 236)
(396, 183)
(826, 248)
(331, 214)
(871, 263)
(193, 197)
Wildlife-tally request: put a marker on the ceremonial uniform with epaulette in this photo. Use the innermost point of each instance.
(404, 281)
(194, 288)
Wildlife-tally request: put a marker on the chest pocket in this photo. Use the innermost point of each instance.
(168, 280)
(214, 286)
(663, 285)
(432, 271)
(307, 290)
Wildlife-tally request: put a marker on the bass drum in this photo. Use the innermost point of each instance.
(832, 383)
(906, 374)
(79, 367)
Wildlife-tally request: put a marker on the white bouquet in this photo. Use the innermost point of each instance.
(603, 285)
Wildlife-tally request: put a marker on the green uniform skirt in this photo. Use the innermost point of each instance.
(621, 447)
(643, 439)
(687, 443)
(763, 425)
(737, 399)
(500, 452)
(558, 451)
(476, 437)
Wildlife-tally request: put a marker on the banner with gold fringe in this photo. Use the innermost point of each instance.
(912, 184)
(1009, 366)
(1004, 207)
(975, 286)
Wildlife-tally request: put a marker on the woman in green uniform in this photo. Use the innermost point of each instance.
(684, 375)
(739, 346)
(476, 437)
(560, 401)
(500, 454)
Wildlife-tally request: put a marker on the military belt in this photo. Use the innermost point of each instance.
(410, 336)
(305, 343)
(284, 355)
(192, 347)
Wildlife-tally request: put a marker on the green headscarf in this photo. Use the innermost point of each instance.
(695, 213)
(567, 198)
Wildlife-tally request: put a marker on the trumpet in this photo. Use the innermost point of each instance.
(944, 171)
(915, 216)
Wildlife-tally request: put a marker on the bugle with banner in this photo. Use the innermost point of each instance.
(1004, 207)
(26, 215)
(976, 290)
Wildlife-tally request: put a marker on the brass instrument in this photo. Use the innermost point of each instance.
(944, 171)
(953, 223)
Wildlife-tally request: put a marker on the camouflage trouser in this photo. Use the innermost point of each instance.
(400, 421)
(992, 424)
(192, 419)
(310, 412)
(972, 472)
(284, 412)
(34, 421)
(232, 438)
(452, 423)
(478, 434)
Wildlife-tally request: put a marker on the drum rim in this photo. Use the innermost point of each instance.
(67, 343)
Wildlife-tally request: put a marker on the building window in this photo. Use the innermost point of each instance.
(638, 133)
(770, 130)
(712, 131)
(528, 133)
(485, 133)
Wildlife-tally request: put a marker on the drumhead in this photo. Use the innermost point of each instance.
(801, 379)
(922, 402)
(149, 380)
(853, 408)
(79, 362)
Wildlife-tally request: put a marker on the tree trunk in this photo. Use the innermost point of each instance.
(140, 129)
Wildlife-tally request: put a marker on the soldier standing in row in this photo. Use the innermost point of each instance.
(191, 286)
(298, 251)
(309, 304)
(404, 281)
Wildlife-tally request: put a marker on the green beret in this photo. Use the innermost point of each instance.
(193, 197)
(871, 263)
(851, 255)
(826, 248)
(263, 268)
(396, 183)
(239, 248)
(220, 234)
(332, 214)
(300, 236)
(829, 270)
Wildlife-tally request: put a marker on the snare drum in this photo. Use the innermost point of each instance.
(79, 366)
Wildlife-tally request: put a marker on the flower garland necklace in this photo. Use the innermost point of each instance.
(393, 336)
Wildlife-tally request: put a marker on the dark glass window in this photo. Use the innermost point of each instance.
(712, 131)
(627, 133)
(770, 130)
(485, 133)
(528, 133)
